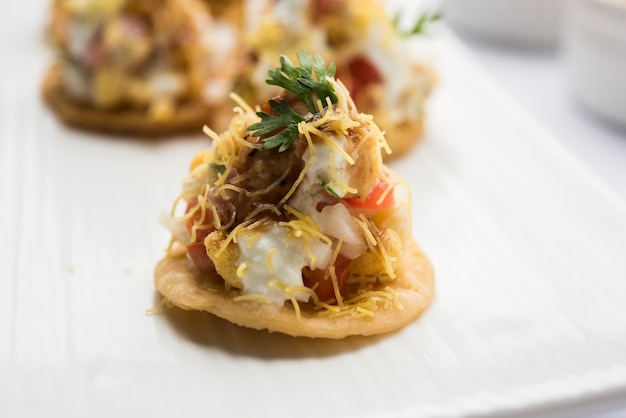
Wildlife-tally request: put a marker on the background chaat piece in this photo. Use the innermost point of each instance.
(143, 67)
(228, 10)
(378, 64)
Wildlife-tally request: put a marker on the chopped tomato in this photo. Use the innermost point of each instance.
(325, 290)
(267, 108)
(197, 254)
(196, 250)
(203, 229)
(359, 73)
(372, 201)
(322, 8)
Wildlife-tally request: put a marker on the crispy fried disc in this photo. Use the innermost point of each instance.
(189, 117)
(184, 286)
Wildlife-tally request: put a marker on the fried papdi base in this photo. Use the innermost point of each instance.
(188, 117)
(184, 286)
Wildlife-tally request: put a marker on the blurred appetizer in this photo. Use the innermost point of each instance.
(379, 65)
(291, 222)
(143, 67)
(227, 10)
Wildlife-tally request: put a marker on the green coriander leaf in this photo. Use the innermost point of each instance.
(421, 26)
(320, 86)
(326, 186)
(218, 167)
(286, 76)
(282, 128)
(300, 80)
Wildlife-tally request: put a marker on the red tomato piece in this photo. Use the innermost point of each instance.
(197, 253)
(196, 250)
(325, 290)
(203, 229)
(375, 195)
(359, 73)
(321, 8)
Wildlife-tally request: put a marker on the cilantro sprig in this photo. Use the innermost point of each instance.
(282, 128)
(300, 80)
(308, 81)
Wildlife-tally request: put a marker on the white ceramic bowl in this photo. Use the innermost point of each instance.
(595, 55)
(534, 23)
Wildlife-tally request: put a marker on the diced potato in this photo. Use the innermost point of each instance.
(370, 263)
(225, 261)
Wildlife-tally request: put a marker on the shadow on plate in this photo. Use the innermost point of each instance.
(98, 136)
(210, 331)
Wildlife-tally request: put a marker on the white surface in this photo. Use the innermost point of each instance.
(524, 22)
(538, 81)
(595, 56)
(526, 243)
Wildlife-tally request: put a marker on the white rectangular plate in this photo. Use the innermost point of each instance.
(528, 250)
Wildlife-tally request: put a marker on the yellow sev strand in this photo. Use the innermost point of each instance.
(385, 193)
(291, 291)
(252, 298)
(345, 187)
(227, 186)
(241, 270)
(344, 100)
(268, 260)
(331, 118)
(329, 141)
(304, 223)
(327, 307)
(365, 120)
(294, 212)
(369, 237)
(384, 257)
(369, 294)
(333, 275)
(296, 306)
(240, 102)
(232, 237)
(381, 139)
(364, 311)
(307, 166)
(198, 224)
(210, 133)
(375, 244)
(159, 307)
(290, 294)
(216, 218)
(241, 141)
